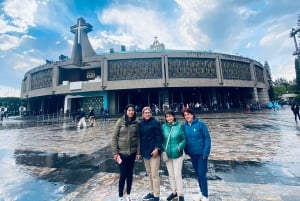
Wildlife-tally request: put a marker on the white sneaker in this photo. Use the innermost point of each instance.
(121, 199)
(128, 198)
(204, 198)
(197, 197)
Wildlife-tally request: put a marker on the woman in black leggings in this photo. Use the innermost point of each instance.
(125, 148)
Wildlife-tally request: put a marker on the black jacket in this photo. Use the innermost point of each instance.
(81, 114)
(92, 113)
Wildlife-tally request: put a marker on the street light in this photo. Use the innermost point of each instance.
(296, 53)
(293, 34)
(294, 31)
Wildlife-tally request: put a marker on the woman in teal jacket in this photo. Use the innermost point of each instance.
(174, 144)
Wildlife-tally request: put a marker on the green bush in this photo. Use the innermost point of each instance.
(297, 99)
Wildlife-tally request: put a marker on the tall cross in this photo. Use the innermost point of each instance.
(79, 28)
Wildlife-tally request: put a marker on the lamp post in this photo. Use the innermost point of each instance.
(293, 34)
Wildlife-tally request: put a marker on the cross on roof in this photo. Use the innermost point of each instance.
(79, 27)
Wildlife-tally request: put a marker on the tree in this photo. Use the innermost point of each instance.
(297, 99)
(280, 81)
(271, 89)
(11, 103)
(278, 91)
(271, 92)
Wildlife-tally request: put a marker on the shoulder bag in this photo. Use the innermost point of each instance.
(164, 155)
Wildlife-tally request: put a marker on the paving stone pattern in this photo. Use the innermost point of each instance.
(254, 157)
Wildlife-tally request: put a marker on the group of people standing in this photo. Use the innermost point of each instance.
(147, 139)
(82, 118)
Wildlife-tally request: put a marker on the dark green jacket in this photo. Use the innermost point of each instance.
(125, 140)
(177, 140)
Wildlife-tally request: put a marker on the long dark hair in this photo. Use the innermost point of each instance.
(127, 121)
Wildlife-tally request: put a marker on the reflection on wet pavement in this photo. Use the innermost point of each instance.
(255, 156)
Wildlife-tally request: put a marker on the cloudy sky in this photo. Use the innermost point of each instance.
(35, 30)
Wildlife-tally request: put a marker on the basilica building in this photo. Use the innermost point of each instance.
(156, 76)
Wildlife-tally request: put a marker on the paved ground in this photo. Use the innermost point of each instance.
(255, 157)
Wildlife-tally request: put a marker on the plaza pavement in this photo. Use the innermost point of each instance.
(254, 157)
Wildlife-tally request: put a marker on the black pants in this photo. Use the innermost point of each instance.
(126, 173)
(297, 114)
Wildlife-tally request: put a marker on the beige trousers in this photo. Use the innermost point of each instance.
(152, 169)
(174, 167)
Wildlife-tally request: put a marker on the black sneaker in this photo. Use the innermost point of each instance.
(156, 199)
(149, 196)
(181, 198)
(171, 196)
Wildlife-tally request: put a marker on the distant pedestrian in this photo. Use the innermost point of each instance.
(156, 109)
(295, 109)
(248, 108)
(91, 117)
(61, 112)
(106, 113)
(75, 115)
(102, 112)
(82, 117)
(6, 114)
(198, 146)
(126, 148)
(2, 111)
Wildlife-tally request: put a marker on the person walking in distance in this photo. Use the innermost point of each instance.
(92, 116)
(82, 117)
(106, 113)
(198, 145)
(151, 142)
(125, 145)
(173, 144)
(295, 109)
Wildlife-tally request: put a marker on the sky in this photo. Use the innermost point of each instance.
(33, 31)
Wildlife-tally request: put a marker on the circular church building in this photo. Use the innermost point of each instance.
(165, 78)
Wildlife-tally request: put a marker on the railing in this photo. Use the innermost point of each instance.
(54, 118)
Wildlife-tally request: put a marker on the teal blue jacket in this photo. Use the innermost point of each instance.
(197, 138)
(177, 140)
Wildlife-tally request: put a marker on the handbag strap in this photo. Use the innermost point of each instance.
(169, 138)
